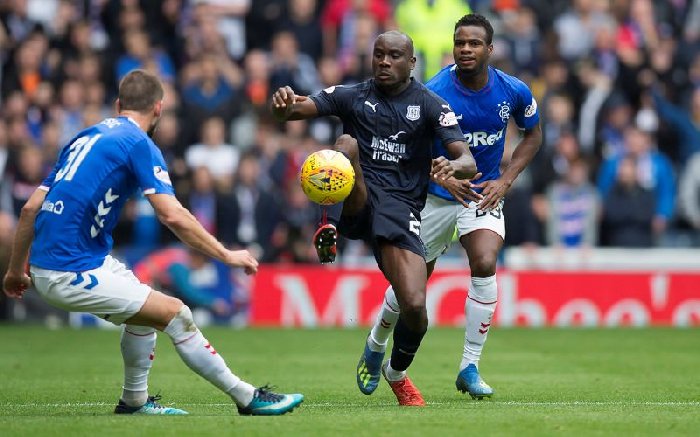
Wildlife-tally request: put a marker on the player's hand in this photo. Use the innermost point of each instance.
(442, 169)
(243, 258)
(14, 285)
(493, 191)
(283, 101)
(462, 189)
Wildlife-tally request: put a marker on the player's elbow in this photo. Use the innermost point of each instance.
(174, 216)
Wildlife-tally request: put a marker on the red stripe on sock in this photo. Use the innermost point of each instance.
(187, 339)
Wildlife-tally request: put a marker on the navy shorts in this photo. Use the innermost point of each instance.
(385, 218)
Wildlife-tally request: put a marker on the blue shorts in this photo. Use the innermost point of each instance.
(385, 218)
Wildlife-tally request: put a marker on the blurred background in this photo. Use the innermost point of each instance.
(617, 83)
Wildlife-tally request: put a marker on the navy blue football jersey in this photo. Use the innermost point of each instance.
(395, 133)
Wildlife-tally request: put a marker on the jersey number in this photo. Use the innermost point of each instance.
(414, 225)
(76, 155)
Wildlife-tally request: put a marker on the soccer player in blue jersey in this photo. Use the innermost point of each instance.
(390, 122)
(68, 222)
(483, 99)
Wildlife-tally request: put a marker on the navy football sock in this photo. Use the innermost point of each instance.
(406, 343)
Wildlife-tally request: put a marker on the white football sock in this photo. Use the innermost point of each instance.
(384, 324)
(479, 309)
(204, 360)
(138, 349)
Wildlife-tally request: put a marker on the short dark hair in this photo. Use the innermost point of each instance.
(476, 20)
(139, 91)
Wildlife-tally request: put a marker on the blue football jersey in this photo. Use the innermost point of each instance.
(94, 176)
(483, 117)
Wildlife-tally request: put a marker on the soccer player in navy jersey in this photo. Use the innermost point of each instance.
(484, 99)
(390, 122)
(68, 223)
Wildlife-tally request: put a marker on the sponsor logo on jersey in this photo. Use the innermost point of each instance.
(386, 150)
(413, 112)
(54, 207)
(504, 111)
(483, 138)
(531, 109)
(448, 119)
(162, 175)
(395, 137)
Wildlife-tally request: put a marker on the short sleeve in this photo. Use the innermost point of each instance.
(148, 165)
(526, 114)
(334, 100)
(443, 119)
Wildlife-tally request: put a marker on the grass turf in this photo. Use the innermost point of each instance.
(553, 381)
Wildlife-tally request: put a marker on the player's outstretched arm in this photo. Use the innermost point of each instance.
(523, 153)
(286, 105)
(16, 280)
(186, 227)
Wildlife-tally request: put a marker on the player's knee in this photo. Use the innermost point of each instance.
(173, 307)
(483, 265)
(182, 325)
(414, 314)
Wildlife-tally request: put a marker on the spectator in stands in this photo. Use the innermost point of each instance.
(213, 153)
(229, 20)
(202, 283)
(212, 88)
(421, 19)
(255, 212)
(303, 22)
(577, 28)
(685, 123)
(338, 20)
(290, 66)
(140, 54)
(628, 209)
(573, 208)
(689, 195)
(654, 172)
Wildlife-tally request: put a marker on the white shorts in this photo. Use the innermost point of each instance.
(110, 292)
(440, 217)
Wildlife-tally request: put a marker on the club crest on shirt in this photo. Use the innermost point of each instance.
(504, 111)
(531, 108)
(413, 112)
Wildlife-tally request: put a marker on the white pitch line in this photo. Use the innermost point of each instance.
(370, 405)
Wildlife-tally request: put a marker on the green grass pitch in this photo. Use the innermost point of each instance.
(547, 382)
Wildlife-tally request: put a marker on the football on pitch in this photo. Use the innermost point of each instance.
(327, 177)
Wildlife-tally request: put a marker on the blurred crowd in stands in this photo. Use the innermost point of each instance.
(617, 83)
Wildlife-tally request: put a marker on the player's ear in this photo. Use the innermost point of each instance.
(118, 106)
(413, 62)
(158, 108)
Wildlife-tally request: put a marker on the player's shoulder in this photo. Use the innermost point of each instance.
(509, 81)
(441, 78)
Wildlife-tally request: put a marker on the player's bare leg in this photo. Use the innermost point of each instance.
(326, 235)
(482, 248)
(407, 274)
(171, 316)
